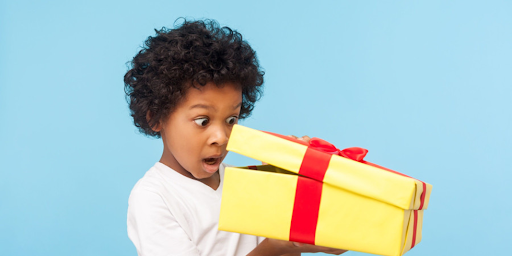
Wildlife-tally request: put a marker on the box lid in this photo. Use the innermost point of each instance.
(359, 176)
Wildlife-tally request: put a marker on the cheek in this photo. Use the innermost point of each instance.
(182, 142)
(187, 143)
(177, 138)
(185, 153)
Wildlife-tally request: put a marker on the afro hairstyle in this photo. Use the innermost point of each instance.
(191, 54)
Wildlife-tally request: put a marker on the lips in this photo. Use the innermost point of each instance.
(211, 164)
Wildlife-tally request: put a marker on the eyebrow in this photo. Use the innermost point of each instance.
(201, 106)
(210, 107)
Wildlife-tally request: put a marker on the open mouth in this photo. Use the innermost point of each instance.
(211, 164)
(211, 161)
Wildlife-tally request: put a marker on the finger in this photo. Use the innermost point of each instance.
(293, 136)
(318, 248)
(335, 251)
(305, 138)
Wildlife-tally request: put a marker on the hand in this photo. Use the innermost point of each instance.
(316, 248)
(274, 247)
(304, 138)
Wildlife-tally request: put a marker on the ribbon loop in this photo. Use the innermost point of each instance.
(323, 146)
(354, 153)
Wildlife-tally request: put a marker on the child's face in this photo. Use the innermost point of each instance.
(196, 133)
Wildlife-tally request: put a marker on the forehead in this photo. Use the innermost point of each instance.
(216, 94)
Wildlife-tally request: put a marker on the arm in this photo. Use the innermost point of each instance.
(274, 247)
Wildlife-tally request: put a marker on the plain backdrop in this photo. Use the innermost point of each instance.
(424, 85)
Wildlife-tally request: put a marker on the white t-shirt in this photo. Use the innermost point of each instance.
(170, 214)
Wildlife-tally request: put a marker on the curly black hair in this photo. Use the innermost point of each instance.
(194, 53)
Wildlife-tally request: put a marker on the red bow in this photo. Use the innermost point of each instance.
(354, 153)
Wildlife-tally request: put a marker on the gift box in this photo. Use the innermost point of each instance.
(315, 193)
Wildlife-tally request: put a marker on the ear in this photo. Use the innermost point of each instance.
(156, 127)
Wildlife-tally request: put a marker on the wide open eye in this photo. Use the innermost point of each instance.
(202, 121)
(232, 120)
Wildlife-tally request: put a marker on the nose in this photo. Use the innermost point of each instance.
(219, 135)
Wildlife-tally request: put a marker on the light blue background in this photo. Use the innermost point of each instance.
(424, 85)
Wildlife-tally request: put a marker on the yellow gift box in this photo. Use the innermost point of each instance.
(314, 193)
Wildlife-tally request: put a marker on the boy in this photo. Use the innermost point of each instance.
(189, 86)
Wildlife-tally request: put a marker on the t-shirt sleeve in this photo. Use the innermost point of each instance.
(153, 229)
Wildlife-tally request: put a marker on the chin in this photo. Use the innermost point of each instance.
(204, 175)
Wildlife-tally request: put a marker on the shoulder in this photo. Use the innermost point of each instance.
(155, 220)
(155, 201)
(162, 192)
(147, 193)
(148, 186)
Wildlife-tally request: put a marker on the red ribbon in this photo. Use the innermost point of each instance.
(309, 188)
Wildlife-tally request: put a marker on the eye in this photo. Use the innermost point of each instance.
(202, 121)
(232, 120)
